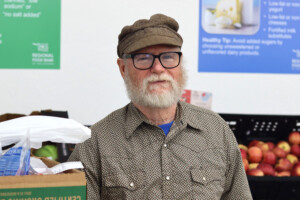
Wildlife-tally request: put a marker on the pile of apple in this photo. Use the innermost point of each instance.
(270, 159)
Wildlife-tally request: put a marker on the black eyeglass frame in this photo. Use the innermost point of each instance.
(154, 57)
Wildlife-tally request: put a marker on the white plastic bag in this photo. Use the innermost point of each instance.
(38, 167)
(41, 129)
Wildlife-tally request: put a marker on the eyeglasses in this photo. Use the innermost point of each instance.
(145, 61)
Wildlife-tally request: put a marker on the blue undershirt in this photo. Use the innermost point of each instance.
(166, 127)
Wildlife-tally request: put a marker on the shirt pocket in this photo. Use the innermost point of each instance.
(122, 185)
(207, 183)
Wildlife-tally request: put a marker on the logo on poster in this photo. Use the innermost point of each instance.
(41, 47)
(42, 57)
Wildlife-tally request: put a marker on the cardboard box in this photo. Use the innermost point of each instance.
(70, 185)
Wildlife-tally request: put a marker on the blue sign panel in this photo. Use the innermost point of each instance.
(249, 36)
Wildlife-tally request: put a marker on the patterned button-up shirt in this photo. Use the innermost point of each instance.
(127, 157)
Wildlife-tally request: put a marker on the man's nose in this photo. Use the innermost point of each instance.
(157, 67)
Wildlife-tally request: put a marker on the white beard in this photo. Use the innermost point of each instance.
(141, 95)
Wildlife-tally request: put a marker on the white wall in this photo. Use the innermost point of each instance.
(89, 86)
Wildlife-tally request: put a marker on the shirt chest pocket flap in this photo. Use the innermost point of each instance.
(131, 181)
(206, 176)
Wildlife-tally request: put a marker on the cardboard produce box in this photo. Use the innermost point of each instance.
(69, 185)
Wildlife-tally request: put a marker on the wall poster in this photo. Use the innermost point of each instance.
(30, 34)
(249, 36)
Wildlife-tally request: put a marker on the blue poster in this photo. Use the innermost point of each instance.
(249, 36)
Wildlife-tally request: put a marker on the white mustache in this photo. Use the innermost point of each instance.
(162, 77)
(155, 77)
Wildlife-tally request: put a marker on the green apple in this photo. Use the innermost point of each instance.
(49, 151)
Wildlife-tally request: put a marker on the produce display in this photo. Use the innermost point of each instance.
(265, 158)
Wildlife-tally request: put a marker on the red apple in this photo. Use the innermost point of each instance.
(283, 173)
(280, 153)
(283, 164)
(267, 169)
(297, 164)
(254, 143)
(254, 154)
(284, 145)
(292, 158)
(246, 164)
(255, 172)
(294, 138)
(296, 169)
(269, 158)
(295, 149)
(243, 153)
(253, 165)
(271, 145)
(264, 147)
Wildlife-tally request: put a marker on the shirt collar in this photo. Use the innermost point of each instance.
(185, 115)
(190, 115)
(134, 119)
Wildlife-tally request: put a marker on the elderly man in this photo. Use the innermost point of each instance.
(157, 147)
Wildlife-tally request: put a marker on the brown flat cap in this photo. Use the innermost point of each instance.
(159, 29)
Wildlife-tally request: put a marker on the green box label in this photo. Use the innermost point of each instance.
(30, 34)
(48, 193)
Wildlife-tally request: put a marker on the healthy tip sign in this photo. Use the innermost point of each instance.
(249, 36)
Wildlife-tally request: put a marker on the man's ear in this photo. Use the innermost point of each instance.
(122, 65)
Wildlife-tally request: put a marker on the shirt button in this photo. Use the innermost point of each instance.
(204, 178)
(167, 178)
(165, 145)
(131, 184)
